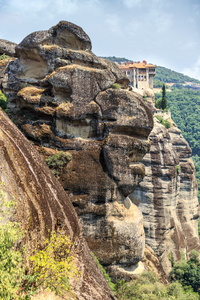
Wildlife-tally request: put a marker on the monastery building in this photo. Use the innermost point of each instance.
(140, 74)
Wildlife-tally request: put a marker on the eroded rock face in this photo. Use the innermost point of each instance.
(62, 96)
(7, 47)
(168, 195)
(43, 205)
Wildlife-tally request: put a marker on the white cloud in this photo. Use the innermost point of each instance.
(33, 8)
(113, 22)
(132, 3)
(194, 70)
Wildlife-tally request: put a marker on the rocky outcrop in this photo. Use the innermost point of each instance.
(7, 48)
(168, 195)
(42, 206)
(3, 64)
(152, 263)
(63, 97)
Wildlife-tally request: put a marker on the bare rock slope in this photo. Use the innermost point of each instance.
(63, 97)
(43, 205)
(168, 195)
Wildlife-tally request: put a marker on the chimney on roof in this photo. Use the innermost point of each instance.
(145, 62)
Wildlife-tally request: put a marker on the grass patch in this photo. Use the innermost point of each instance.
(163, 122)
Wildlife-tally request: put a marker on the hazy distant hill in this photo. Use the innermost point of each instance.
(162, 74)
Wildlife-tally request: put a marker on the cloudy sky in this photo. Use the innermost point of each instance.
(163, 32)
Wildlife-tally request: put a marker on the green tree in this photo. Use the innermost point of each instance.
(164, 104)
(3, 101)
(188, 273)
(54, 266)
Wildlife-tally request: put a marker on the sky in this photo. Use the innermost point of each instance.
(163, 32)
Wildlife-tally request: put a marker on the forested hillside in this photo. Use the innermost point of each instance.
(184, 104)
(168, 76)
(185, 109)
(119, 60)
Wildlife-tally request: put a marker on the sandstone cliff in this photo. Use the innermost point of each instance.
(43, 205)
(63, 97)
(167, 195)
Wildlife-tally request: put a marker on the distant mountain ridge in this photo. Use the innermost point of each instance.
(162, 74)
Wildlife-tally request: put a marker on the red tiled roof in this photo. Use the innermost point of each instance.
(138, 65)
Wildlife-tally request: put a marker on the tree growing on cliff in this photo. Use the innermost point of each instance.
(188, 272)
(164, 104)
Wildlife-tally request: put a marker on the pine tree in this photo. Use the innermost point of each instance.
(164, 104)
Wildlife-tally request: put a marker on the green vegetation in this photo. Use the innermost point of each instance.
(184, 104)
(119, 60)
(164, 103)
(187, 272)
(4, 56)
(164, 75)
(177, 169)
(163, 122)
(58, 161)
(3, 100)
(116, 86)
(185, 109)
(12, 267)
(196, 160)
(157, 83)
(148, 287)
(145, 98)
(53, 265)
(111, 284)
(11, 261)
(161, 102)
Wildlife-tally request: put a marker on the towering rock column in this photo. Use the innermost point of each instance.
(63, 97)
(168, 195)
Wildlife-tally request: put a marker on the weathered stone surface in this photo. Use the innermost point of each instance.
(62, 96)
(121, 78)
(152, 263)
(168, 195)
(3, 65)
(42, 205)
(7, 47)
